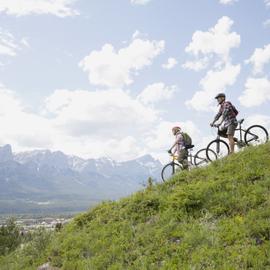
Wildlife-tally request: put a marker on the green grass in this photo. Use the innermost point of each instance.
(216, 217)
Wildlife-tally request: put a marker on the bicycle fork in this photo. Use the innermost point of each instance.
(218, 145)
(173, 169)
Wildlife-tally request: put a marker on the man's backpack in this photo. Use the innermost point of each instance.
(187, 139)
(235, 111)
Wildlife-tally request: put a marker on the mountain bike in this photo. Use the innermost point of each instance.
(174, 166)
(253, 135)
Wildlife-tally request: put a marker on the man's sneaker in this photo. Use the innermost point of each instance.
(240, 144)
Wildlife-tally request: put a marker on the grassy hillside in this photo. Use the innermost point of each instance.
(210, 218)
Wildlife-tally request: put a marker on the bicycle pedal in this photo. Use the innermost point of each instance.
(240, 144)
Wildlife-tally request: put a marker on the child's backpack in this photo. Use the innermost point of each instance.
(187, 139)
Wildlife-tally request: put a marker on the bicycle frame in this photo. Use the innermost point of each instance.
(247, 137)
(190, 159)
(218, 140)
(174, 164)
(218, 144)
(242, 133)
(237, 129)
(174, 160)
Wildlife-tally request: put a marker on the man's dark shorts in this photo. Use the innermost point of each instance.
(230, 130)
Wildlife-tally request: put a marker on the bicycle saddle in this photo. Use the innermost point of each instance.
(189, 146)
(241, 121)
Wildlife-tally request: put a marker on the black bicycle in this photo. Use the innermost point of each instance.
(199, 160)
(254, 135)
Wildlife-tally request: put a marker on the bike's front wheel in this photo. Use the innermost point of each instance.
(169, 170)
(217, 149)
(256, 135)
(200, 159)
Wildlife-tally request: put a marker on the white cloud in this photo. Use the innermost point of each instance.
(8, 101)
(102, 112)
(18, 126)
(260, 58)
(267, 3)
(8, 44)
(220, 79)
(24, 41)
(116, 69)
(258, 119)
(156, 92)
(218, 40)
(257, 92)
(60, 8)
(213, 46)
(90, 124)
(140, 2)
(138, 35)
(227, 2)
(215, 81)
(107, 123)
(172, 62)
(196, 65)
(266, 23)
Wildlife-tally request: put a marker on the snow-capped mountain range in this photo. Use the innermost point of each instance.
(43, 175)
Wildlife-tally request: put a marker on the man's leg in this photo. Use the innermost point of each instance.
(230, 133)
(231, 143)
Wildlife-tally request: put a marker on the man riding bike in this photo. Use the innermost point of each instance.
(227, 113)
(180, 146)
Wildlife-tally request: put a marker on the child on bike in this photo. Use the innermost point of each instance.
(227, 113)
(180, 146)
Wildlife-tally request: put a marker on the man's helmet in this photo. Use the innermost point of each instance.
(220, 95)
(175, 129)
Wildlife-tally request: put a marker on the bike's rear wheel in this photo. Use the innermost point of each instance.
(217, 149)
(256, 135)
(169, 170)
(201, 159)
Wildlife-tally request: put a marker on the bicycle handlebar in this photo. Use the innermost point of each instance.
(215, 125)
(174, 157)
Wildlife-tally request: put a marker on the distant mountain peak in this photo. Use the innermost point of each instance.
(6, 153)
(48, 174)
(146, 158)
(44, 158)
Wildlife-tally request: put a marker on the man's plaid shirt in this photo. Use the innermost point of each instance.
(226, 110)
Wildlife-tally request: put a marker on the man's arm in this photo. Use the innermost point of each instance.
(218, 115)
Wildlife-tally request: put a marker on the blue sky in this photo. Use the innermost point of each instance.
(93, 78)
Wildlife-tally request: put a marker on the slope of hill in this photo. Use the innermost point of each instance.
(217, 217)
